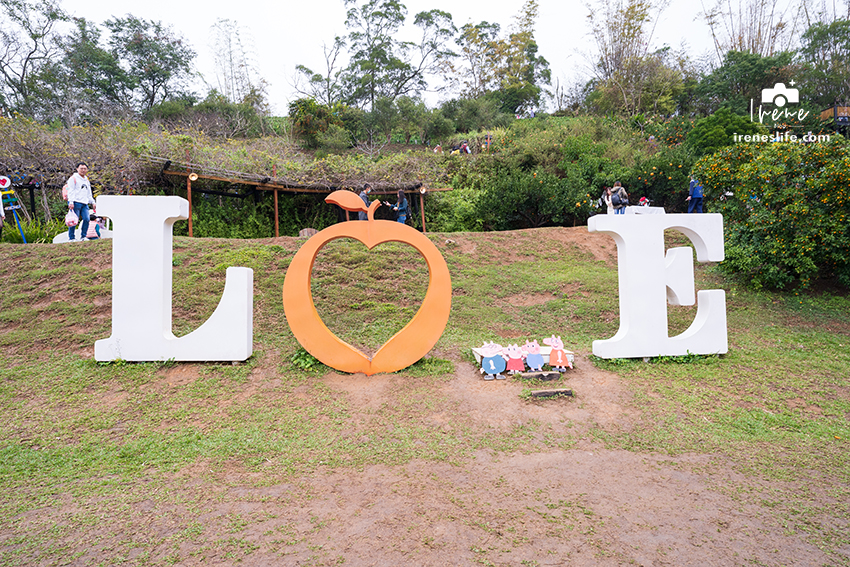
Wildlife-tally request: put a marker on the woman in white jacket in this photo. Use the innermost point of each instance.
(79, 199)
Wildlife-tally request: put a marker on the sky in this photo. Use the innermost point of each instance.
(286, 34)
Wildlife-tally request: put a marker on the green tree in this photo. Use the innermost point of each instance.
(309, 119)
(94, 87)
(436, 127)
(382, 66)
(412, 117)
(631, 79)
(741, 78)
(159, 59)
(384, 117)
(523, 72)
(470, 114)
(28, 55)
(648, 85)
(508, 71)
(478, 46)
(717, 131)
(825, 52)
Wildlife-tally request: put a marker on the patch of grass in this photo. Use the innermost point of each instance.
(776, 406)
(429, 366)
(306, 361)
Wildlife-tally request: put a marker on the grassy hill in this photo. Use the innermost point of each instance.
(736, 459)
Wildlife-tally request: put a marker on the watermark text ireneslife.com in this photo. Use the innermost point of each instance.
(781, 137)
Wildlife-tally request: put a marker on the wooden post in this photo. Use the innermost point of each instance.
(276, 219)
(422, 206)
(551, 393)
(189, 197)
(189, 190)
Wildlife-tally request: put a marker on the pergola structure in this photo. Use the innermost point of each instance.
(194, 172)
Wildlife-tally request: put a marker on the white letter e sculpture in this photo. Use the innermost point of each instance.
(141, 291)
(649, 279)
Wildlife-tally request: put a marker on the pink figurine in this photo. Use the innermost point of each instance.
(557, 358)
(515, 363)
(532, 355)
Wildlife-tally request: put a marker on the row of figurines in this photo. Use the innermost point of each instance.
(496, 359)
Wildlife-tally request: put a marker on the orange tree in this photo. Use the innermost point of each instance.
(514, 198)
(661, 177)
(785, 207)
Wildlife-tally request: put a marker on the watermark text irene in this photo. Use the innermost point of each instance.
(779, 114)
(780, 137)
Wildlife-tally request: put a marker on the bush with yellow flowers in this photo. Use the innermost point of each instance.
(786, 208)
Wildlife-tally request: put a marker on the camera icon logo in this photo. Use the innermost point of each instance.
(780, 95)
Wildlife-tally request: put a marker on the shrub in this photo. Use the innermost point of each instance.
(713, 132)
(668, 131)
(231, 217)
(662, 178)
(786, 208)
(518, 199)
(35, 231)
(335, 138)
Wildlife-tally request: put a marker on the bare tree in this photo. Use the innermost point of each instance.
(235, 73)
(630, 77)
(762, 27)
(623, 31)
(568, 97)
(825, 12)
(325, 87)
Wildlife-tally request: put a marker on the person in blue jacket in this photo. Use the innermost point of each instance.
(400, 208)
(694, 196)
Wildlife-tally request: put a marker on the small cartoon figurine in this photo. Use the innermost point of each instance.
(557, 358)
(532, 355)
(515, 363)
(492, 361)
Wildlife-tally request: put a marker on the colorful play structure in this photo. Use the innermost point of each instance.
(9, 202)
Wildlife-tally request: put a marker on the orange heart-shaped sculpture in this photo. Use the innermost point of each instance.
(405, 347)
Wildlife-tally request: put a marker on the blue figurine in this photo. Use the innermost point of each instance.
(493, 362)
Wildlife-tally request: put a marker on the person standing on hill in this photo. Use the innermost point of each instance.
(79, 199)
(694, 196)
(619, 198)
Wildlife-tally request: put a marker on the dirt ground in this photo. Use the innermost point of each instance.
(570, 505)
(581, 505)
